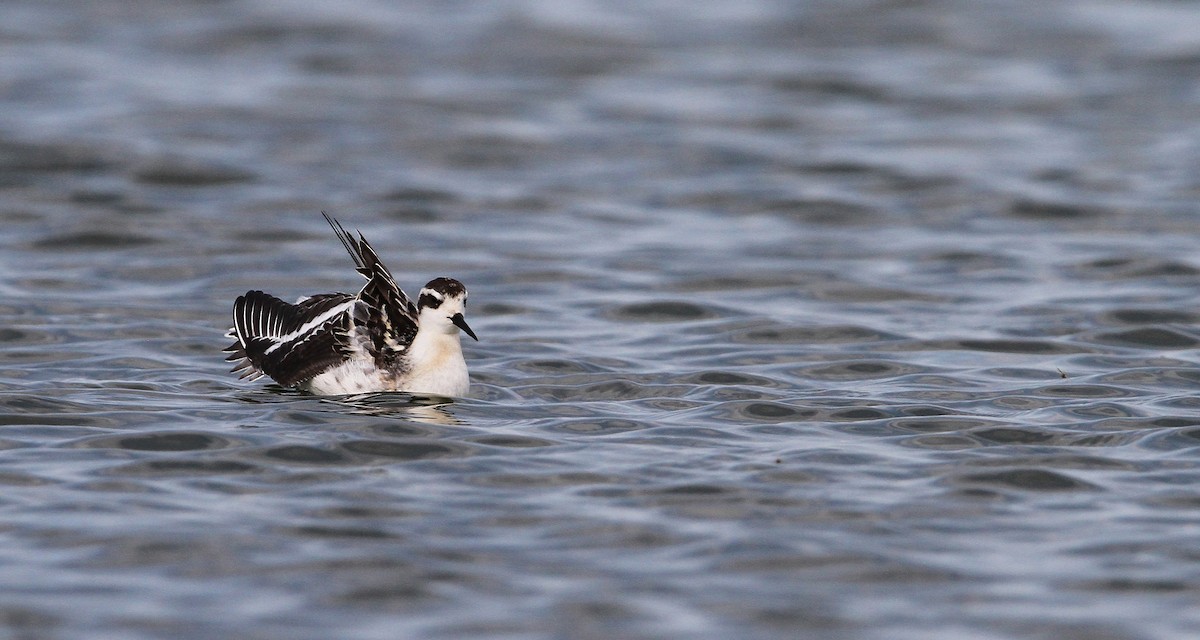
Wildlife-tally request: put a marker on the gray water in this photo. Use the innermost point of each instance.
(798, 320)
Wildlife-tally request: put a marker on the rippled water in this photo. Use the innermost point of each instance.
(799, 320)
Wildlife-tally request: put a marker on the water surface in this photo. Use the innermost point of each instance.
(798, 320)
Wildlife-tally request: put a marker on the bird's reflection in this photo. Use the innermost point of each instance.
(419, 408)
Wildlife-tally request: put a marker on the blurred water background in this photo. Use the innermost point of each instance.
(833, 319)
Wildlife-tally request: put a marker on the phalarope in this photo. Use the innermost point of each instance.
(336, 343)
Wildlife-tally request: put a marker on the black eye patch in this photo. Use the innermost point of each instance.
(429, 300)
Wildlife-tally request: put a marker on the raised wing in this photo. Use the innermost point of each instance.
(290, 342)
(391, 318)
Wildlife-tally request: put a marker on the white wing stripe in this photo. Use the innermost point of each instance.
(241, 325)
(310, 325)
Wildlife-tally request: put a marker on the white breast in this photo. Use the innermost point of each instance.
(436, 366)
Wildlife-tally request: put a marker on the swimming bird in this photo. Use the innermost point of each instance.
(337, 343)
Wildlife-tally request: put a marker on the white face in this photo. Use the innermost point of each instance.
(441, 315)
(447, 315)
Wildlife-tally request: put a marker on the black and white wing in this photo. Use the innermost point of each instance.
(390, 320)
(290, 342)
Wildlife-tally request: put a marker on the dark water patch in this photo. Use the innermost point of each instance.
(1026, 480)
(1085, 391)
(935, 388)
(762, 412)
(361, 511)
(1152, 377)
(410, 214)
(161, 441)
(32, 410)
(1150, 337)
(814, 459)
(926, 410)
(826, 212)
(1012, 346)
(342, 533)
(25, 621)
(388, 595)
(852, 293)
(1014, 435)
(1184, 502)
(1020, 403)
(596, 426)
(1052, 210)
(823, 334)
(408, 449)
(83, 421)
(22, 479)
(631, 390)
(1084, 462)
(1102, 440)
(726, 378)
(415, 205)
(541, 479)
(941, 424)
(1149, 316)
(758, 280)
(555, 366)
(32, 404)
(185, 467)
(857, 370)
(1135, 585)
(670, 433)
(663, 311)
(735, 394)
(115, 486)
(555, 393)
(1021, 373)
(857, 414)
(423, 196)
(94, 240)
(1132, 268)
(940, 383)
(965, 261)
(788, 476)
(701, 501)
(494, 309)
(486, 151)
(942, 442)
(50, 157)
(189, 172)
(697, 490)
(835, 86)
(668, 405)
(902, 573)
(769, 411)
(616, 535)
(301, 454)
(96, 196)
(511, 441)
(1191, 434)
(1162, 422)
(26, 335)
(524, 48)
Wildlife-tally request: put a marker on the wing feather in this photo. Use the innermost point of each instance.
(289, 342)
(391, 323)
